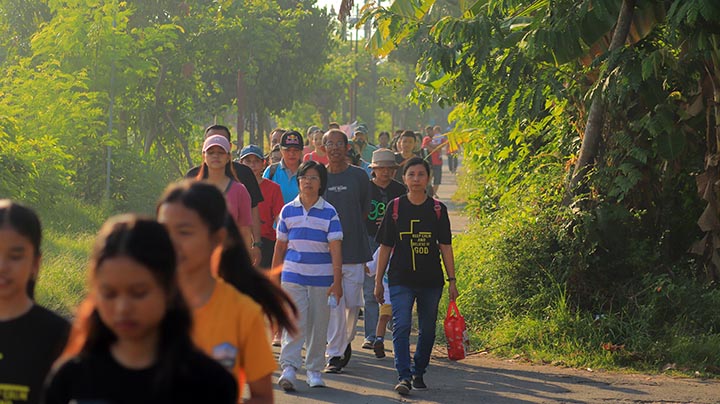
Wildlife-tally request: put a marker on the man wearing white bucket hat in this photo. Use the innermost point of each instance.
(383, 189)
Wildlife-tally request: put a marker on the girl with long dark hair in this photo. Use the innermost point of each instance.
(31, 337)
(216, 160)
(230, 299)
(131, 340)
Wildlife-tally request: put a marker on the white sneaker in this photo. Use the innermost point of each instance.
(288, 379)
(314, 379)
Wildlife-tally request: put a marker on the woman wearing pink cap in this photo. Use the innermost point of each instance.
(216, 154)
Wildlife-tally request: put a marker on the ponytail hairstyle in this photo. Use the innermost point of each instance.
(235, 266)
(148, 243)
(25, 222)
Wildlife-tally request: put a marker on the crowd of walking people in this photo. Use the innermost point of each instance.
(284, 248)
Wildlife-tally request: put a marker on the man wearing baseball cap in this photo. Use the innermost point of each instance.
(271, 205)
(360, 138)
(291, 146)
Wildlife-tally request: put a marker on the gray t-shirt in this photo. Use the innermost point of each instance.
(349, 193)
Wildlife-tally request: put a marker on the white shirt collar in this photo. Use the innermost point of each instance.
(320, 204)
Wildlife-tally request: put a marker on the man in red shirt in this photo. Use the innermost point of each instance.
(433, 143)
(269, 208)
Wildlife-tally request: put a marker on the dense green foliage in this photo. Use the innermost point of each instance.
(102, 104)
(601, 273)
(129, 85)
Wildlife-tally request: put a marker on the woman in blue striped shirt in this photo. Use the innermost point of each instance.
(308, 247)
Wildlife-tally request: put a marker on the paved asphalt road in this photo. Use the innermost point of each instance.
(483, 379)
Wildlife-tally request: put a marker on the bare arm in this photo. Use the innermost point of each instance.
(255, 223)
(255, 252)
(449, 260)
(279, 254)
(261, 391)
(336, 255)
(383, 257)
(246, 232)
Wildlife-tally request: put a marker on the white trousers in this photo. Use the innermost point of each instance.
(313, 317)
(343, 318)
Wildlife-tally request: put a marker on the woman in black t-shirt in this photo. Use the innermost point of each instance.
(416, 229)
(131, 339)
(31, 337)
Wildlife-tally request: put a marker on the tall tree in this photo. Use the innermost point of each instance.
(595, 122)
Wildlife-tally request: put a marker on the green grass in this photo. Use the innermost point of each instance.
(69, 229)
(62, 282)
(668, 330)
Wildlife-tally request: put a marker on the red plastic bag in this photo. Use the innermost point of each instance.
(458, 342)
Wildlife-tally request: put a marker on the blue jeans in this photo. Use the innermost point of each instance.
(372, 309)
(402, 299)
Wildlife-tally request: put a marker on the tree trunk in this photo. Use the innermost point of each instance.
(324, 117)
(592, 137)
(181, 139)
(260, 130)
(240, 109)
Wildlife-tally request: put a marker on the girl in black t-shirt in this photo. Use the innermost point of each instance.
(131, 339)
(31, 337)
(416, 229)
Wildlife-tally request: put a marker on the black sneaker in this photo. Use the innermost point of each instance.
(345, 358)
(333, 365)
(418, 383)
(403, 388)
(379, 348)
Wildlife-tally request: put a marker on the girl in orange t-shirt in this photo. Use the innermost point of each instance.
(229, 310)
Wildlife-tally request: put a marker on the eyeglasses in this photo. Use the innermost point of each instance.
(331, 145)
(309, 178)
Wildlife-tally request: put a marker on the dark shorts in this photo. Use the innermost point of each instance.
(266, 251)
(437, 174)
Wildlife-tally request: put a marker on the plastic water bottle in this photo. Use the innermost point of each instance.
(332, 301)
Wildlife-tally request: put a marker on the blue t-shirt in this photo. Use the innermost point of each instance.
(287, 181)
(367, 152)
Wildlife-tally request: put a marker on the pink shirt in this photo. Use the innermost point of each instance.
(238, 204)
(315, 157)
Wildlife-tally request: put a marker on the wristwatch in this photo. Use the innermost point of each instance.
(450, 279)
(257, 244)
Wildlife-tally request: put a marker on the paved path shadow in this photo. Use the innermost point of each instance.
(483, 379)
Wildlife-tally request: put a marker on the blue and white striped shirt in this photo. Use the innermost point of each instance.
(308, 234)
